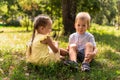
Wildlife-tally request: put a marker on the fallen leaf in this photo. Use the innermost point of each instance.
(1, 59)
(6, 78)
(11, 68)
(1, 71)
(25, 68)
(27, 74)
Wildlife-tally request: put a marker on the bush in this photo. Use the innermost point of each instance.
(58, 26)
(11, 22)
(25, 22)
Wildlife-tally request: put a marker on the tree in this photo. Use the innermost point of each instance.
(29, 8)
(9, 12)
(118, 8)
(106, 13)
(91, 6)
(68, 13)
(70, 7)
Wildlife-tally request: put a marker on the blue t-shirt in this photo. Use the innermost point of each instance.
(80, 40)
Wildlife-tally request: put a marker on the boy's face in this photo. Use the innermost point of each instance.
(81, 26)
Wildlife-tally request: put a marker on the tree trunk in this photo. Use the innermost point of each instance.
(118, 14)
(68, 14)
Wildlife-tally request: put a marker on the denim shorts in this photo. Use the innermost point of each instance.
(81, 55)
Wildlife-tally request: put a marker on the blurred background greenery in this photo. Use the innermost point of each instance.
(16, 18)
(62, 12)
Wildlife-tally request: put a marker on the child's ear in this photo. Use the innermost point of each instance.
(41, 27)
(74, 25)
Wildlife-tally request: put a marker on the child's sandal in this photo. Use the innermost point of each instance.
(72, 64)
(85, 67)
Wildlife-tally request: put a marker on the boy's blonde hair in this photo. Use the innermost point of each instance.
(83, 16)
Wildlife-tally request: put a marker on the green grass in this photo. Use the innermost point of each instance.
(106, 65)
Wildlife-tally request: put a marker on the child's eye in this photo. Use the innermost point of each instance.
(83, 25)
(78, 24)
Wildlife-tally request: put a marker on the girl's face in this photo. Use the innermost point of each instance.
(81, 26)
(45, 29)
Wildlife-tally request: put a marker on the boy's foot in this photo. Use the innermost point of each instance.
(72, 64)
(85, 67)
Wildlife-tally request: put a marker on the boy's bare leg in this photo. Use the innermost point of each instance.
(88, 57)
(73, 53)
(88, 52)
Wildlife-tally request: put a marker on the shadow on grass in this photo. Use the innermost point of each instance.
(22, 31)
(56, 71)
(111, 56)
(59, 71)
(108, 39)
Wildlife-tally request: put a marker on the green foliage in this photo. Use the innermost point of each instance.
(118, 9)
(93, 6)
(101, 10)
(26, 22)
(58, 26)
(13, 43)
(29, 7)
(12, 22)
(3, 9)
(107, 13)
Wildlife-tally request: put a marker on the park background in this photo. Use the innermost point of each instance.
(16, 24)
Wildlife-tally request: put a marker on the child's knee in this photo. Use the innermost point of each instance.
(73, 46)
(88, 48)
(89, 45)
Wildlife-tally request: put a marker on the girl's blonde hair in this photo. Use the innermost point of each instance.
(40, 20)
(83, 16)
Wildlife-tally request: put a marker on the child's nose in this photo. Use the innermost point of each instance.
(50, 30)
(80, 27)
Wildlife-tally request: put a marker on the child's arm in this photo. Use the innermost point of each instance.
(51, 44)
(54, 46)
(63, 52)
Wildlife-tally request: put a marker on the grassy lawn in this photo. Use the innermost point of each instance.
(106, 65)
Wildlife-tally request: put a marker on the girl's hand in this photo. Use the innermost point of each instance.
(56, 43)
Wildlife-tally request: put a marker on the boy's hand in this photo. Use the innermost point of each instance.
(90, 55)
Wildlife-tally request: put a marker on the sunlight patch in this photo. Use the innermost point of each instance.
(118, 71)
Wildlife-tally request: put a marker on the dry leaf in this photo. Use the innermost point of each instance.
(1, 59)
(11, 68)
(27, 74)
(6, 78)
(25, 68)
(1, 71)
